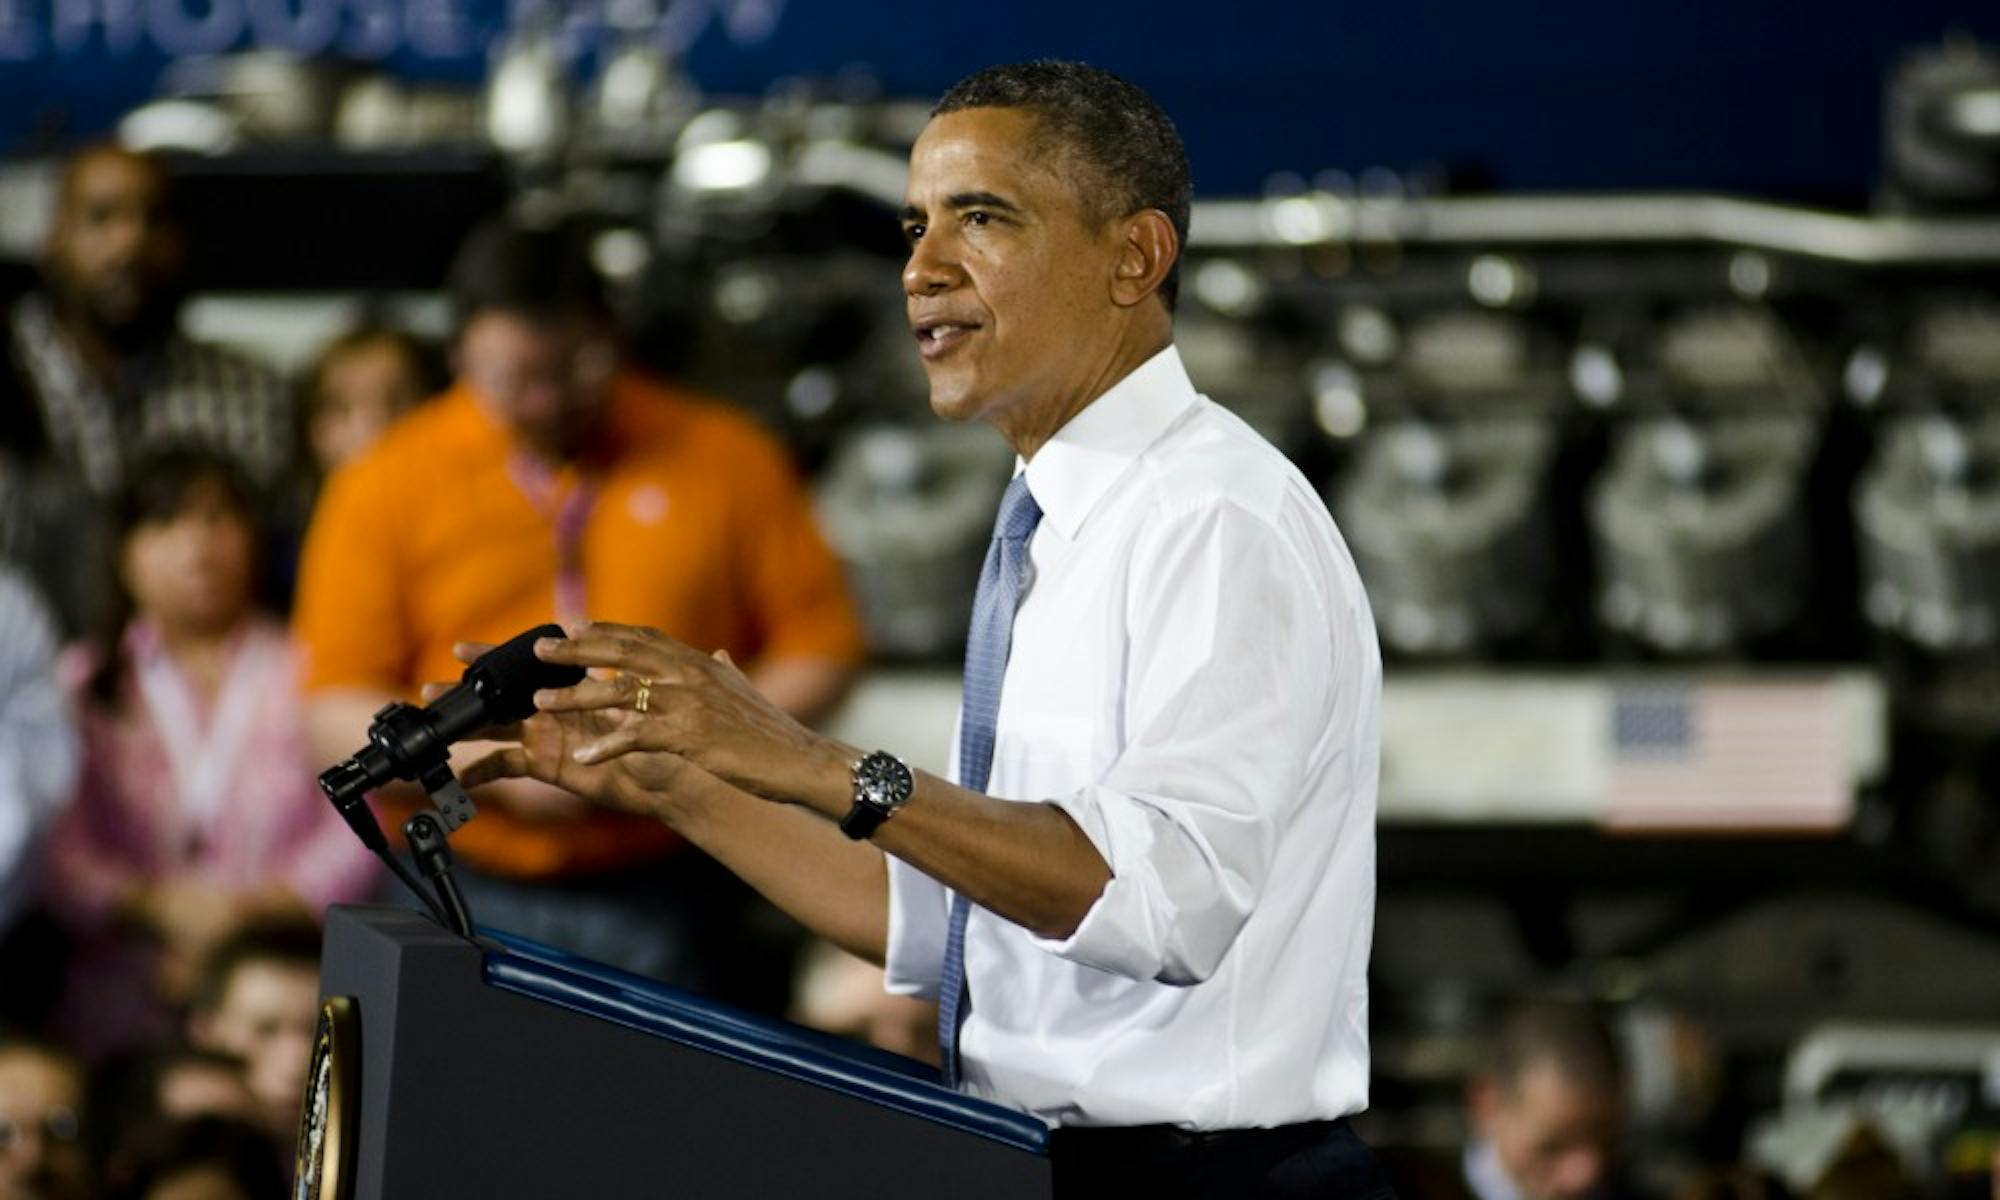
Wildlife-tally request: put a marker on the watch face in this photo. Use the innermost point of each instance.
(326, 1137)
(883, 780)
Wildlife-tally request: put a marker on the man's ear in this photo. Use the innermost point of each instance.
(1147, 250)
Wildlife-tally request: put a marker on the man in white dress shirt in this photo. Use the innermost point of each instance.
(1170, 867)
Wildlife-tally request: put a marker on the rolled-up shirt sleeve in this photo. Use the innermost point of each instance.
(1228, 691)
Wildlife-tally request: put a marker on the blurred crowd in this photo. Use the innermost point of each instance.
(211, 577)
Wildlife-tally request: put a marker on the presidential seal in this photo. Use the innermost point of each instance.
(326, 1123)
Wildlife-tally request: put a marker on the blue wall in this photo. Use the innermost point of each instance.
(1757, 96)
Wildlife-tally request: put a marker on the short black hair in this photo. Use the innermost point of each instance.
(281, 939)
(157, 487)
(158, 1151)
(30, 1045)
(1571, 1037)
(160, 480)
(542, 273)
(419, 356)
(1120, 135)
(125, 1090)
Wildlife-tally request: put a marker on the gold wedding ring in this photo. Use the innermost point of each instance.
(642, 697)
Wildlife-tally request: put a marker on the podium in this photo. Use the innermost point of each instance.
(445, 1068)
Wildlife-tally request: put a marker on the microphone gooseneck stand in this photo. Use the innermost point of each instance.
(433, 855)
(427, 835)
(413, 744)
(348, 793)
(426, 832)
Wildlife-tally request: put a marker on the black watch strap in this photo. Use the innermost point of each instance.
(882, 784)
(863, 820)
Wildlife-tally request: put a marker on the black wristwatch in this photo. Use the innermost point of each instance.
(882, 784)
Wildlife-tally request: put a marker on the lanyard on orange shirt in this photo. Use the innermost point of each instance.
(567, 506)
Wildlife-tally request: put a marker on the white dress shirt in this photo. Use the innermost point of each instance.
(1194, 679)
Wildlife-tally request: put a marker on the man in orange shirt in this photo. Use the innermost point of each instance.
(552, 483)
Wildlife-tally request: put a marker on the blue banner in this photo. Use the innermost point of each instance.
(1758, 96)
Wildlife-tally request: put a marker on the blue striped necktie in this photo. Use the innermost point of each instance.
(1001, 583)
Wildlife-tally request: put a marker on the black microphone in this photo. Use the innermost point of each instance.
(405, 742)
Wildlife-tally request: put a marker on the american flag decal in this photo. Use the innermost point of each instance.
(1728, 755)
(1651, 722)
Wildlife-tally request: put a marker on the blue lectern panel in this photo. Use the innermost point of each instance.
(556, 977)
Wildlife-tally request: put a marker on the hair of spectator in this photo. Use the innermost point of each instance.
(157, 485)
(416, 355)
(1130, 153)
(155, 1152)
(1569, 1036)
(14, 1042)
(152, 164)
(125, 1092)
(544, 275)
(288, 941)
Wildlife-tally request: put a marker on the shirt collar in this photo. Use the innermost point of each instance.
(1075, 468)
(1485, 1178)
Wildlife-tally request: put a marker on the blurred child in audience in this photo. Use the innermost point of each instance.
(357, 387)
(197, 808)
(41, 1131)
(362, 381)
(258, 1000)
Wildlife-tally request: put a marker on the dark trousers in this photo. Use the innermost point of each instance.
(1324, 1160)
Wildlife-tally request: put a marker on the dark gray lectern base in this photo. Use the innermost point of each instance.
(468, 1089)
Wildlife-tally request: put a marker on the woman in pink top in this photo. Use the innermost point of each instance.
(197, 808)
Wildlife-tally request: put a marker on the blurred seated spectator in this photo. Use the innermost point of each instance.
(360, 383)
(357, 387)
(1546, 1112)
(41, 1131)
(197, 809)
(839, 993)
(554, 483)
(205, 1158)
(94, 369)
(38, 762)
(173, 1082)
(258, 999)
